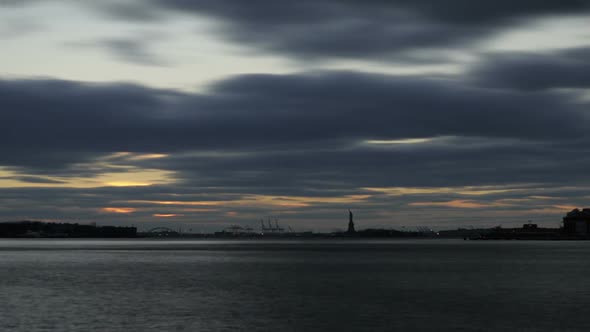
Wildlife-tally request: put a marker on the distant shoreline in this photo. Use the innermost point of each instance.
(45, 230)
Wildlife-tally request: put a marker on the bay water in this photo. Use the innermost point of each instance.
(289, 285)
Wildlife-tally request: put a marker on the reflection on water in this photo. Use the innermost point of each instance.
(315, 285)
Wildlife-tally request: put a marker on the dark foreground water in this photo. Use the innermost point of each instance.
(427, 285)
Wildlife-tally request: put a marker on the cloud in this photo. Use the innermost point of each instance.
(327, 29)
(86, 205)
(33, 179)
(460, 204)
(10, 3)
(252, 124)
(502, 137)
(300, 144)
(167, 215)
(12, 28)
(359, 29)
(36, 179)
(133, 50)
(568, 68)
(123, 210)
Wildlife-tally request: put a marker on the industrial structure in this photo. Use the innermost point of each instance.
(269, 228)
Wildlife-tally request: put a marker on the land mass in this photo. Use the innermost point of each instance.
(39, 229)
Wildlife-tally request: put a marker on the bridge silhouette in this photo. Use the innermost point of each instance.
(162, 232)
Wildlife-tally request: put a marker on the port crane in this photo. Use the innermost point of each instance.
(269, 227)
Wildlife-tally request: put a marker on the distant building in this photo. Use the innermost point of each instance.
(350, 223)
(530, 227)
(577, 222)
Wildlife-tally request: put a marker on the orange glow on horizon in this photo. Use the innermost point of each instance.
(123, 210)
(126, 176)
(460, 204)
(302, 201)
(167, 215)
(198, 210)
(127, 184)
(148, 156)
(467, 191)
(134, 156)
(263, 200)
(180, 203)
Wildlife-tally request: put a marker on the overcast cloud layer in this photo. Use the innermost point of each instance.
(343, 28)
(503, 140)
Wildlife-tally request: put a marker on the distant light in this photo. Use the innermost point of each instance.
(128, 184)
(401, 141)
(148, 156)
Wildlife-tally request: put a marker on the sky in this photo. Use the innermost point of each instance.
(208, 113)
